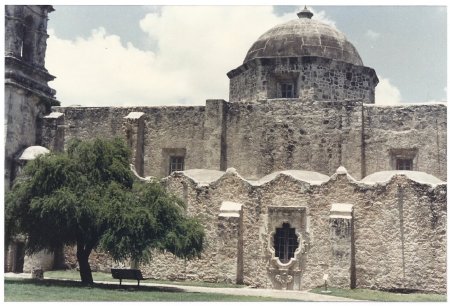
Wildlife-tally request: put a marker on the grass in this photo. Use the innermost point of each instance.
(23, 290)
(383, 296)
(101, 277)
(54, 288)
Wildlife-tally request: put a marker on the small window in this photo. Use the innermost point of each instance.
(285, 243)
(287, 90)
(176, 164)
(404, 159)
(404, 164)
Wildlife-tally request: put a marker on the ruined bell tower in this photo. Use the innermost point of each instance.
(27, 95)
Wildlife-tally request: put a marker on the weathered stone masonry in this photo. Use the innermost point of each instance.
(301, 99)
(383, 235)
(27, 95)
(320, 78)
(418, 132)
(395, 231)
(272, 135)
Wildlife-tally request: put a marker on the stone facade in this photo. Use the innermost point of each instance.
(258, 138)
(387, 232)
(319, 78)
(393, 235)
(28, 98)
(418, 132)
(27, 95)
(302, 99)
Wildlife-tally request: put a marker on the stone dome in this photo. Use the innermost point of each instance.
(304, 37)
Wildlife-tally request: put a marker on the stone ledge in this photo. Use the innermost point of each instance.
(230, 209)
(341, 211)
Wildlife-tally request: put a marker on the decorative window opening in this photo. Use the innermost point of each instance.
(176, 164)
(404, 164)
(287, 90)
(285, 243)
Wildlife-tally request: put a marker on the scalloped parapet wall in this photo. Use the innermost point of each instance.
(396, 229)
(205, 177)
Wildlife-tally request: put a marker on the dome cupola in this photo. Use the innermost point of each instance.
(304, 60)
(304, 37)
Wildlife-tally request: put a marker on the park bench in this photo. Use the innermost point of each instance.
(127, 274)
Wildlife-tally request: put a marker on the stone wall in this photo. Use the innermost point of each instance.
(26, 32)
(23, 119)
(294, 134)
(271, 135)
(215, 131)
(163, 129)
(21, 124)
(394, 236)
(98, 261)
(330, 80)
(399, 231)
(27, 94)
(319, 78)
(173, 128)
(43, 260)
(247, 83)
(416, 131)
(18, 262)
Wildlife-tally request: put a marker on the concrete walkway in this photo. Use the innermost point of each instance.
(281, 294)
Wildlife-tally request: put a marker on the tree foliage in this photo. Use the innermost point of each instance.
(86, 197)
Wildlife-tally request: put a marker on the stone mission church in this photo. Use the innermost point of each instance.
(298, 177)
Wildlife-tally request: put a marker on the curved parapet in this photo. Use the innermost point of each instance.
(204, 177)
(386, 176)
(207, 177)
(311, 177)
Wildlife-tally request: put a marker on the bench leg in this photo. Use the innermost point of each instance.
(120, 282)
(138, 282)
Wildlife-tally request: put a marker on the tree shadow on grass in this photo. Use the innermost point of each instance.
(78, 284)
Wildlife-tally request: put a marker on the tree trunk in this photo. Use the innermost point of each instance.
(85, 268)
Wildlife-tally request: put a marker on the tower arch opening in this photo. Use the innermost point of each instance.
(27, 39)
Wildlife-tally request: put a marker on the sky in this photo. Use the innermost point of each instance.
(179, 55)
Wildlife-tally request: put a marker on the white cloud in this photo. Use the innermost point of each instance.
(322, 16)
(386, 93)
(197, 46)
(372, 35)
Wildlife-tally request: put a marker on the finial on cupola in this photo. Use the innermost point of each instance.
(305, 13)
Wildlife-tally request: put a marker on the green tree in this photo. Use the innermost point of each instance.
(87, 197)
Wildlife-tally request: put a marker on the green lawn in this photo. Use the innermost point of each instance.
(53, 288)
(101, 276)
(22, 290)
(382, 296)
